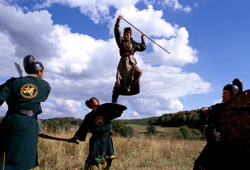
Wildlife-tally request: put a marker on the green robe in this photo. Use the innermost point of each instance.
(100, 144)
(18, 144)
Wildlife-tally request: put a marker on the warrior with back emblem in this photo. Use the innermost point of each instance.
(19, 128)
(97, 122)
(128, 74)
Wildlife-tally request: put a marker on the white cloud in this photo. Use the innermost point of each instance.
(135, 115)
(97, 10)
(79, 66)
(175, 5)
(28, 32)
(172, 4)
(181, 52)
(196, 4)
(147, 20)
(163, 86)
(217, 101)
(7, 51)
(57, 106)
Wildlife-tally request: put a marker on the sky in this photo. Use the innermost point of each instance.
(208, 40)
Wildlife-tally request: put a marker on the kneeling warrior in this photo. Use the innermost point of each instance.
(128, 74)
(101, 152)
(18, 129)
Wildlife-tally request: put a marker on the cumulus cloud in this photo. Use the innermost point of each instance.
(172, 4)
(7, 53)
(28, 37)
(157, 27)
(181, 52)
(175, 5)
(162, 88)
(97, 10)
(57, 106)
(79, 66)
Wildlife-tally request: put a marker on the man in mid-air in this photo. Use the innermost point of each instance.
(128, 74)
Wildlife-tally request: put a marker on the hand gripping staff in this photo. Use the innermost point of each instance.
(146, 36)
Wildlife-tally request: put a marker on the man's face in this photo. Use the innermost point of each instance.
(226, 96)
(94, 104)
(127, 36)
(40, 74)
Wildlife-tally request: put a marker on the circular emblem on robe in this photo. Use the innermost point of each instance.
(99, 120)
(29, 91)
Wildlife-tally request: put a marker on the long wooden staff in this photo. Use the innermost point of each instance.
(147, 36)
(236, 108)
(56, 138)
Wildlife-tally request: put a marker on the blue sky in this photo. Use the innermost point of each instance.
(209, 41)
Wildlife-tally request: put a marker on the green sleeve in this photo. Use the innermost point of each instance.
(83, 130)
(114, 114)
(45, 91)
(5, 90)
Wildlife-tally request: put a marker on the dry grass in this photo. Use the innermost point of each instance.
(137, 153)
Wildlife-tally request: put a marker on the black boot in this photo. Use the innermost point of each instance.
(115, 96)
(109, 162)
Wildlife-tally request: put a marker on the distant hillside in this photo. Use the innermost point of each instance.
(189, 118)
(145, 121)
(60, 122)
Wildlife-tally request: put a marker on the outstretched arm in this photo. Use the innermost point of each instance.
(5, 90)
(115, 114)
(118, 37)
(141, 46)
(82, 131)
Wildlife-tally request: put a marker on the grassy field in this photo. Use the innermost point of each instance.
(142, 152)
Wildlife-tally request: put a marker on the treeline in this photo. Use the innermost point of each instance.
(182, 118)
(144, 122)
(65, 123)
(188, 121)
(188, 118)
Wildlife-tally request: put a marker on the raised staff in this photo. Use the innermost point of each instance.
(146, 36)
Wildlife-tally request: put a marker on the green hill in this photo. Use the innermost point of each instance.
(189, 118)
(60, 123)
(144, 121)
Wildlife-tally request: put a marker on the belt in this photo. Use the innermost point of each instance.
(127, 55)
(29, 113)
(101, 134)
